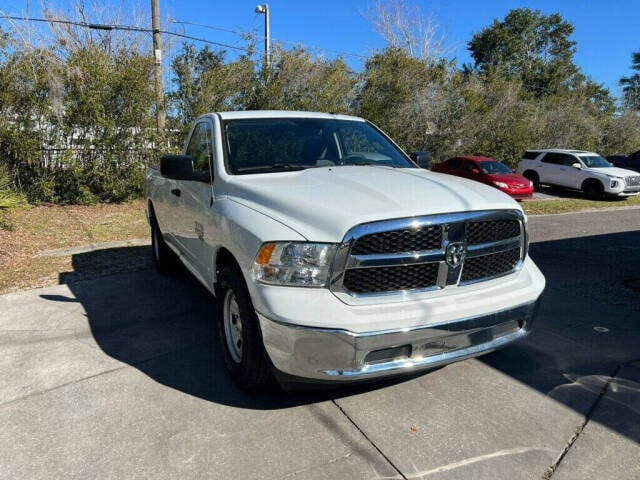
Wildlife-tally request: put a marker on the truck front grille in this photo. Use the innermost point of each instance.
(491, 231)
(429, 252)
(490, 265)
(398, 241)
(385, 279)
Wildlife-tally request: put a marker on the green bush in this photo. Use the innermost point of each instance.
(9, 198)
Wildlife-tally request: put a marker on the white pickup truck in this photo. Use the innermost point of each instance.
(332, 256)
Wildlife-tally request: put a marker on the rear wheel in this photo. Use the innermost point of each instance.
(163, 257)
(239, 333)
(533, 176)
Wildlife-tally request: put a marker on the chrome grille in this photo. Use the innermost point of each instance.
(632, 181)
(398, 241)
(412, 254)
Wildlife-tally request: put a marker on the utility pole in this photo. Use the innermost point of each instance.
(264, 8)
(157, 56)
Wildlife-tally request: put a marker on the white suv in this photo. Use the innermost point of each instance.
(578, 170)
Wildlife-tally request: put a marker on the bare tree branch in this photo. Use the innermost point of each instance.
(409, 28)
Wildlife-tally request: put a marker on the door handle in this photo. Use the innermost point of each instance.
(176, 192)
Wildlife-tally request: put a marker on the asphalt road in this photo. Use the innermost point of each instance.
(120, 377)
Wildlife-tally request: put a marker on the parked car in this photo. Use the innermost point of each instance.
(489, 171)
(332, 256)
(632, 162)
(578, 170)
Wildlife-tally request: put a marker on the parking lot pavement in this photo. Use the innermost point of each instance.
(546, 192)
(120, 377)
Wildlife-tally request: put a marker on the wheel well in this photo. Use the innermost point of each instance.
(592, 181)
(530, 174)
(225, 258)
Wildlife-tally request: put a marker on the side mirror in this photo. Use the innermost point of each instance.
(180, 167)
(475, 171)
(421, 158)
(576, 165)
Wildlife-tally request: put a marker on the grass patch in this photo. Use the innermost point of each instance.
(563, 205)
(43, 228)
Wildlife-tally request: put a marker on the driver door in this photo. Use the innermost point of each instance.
(196, 199)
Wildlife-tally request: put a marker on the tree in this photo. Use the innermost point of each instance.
(408, 28)
(298, 81)
(631, 85)
(395, 87)
(75, 114)
(204, 82)
(535, 47)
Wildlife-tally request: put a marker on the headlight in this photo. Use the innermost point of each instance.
(500, 184)
(530, 183)
(614, 182)
(295, 264)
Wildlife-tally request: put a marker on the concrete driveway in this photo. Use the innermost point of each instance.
(120, 377)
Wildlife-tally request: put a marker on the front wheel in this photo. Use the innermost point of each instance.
(239, 333)
(594, 190)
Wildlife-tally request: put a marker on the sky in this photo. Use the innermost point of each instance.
(606, 32)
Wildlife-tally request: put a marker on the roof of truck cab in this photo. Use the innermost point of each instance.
(248, 114)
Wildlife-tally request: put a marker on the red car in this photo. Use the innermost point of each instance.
(489, 171)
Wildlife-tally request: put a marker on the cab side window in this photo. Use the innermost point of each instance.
(200, 148)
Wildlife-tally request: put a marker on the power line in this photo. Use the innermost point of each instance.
(210, 27)
(244, 32)
(127, 28)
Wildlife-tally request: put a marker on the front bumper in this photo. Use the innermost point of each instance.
(622, 190)
(342, 355)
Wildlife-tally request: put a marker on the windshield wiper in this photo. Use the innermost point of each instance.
(274, 166)
(375, 164)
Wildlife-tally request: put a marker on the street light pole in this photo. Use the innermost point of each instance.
(264, 8)
(157, 56)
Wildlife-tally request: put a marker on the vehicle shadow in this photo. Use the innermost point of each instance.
(163, 326)
(587, 327)
(551, 192)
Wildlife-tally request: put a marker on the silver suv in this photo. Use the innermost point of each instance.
(578, 170)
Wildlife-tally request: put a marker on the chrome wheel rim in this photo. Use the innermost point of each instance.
(232, 326)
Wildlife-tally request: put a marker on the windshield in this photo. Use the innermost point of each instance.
(494, 167)
(595, 161)
(264, 145)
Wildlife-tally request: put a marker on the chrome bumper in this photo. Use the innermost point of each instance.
(341, 355)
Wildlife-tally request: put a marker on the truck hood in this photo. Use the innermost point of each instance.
(614, 172)
(322, 204)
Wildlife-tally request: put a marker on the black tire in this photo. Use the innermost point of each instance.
(535, 179)
(593, 189)
(163, 257)
(240, 338)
